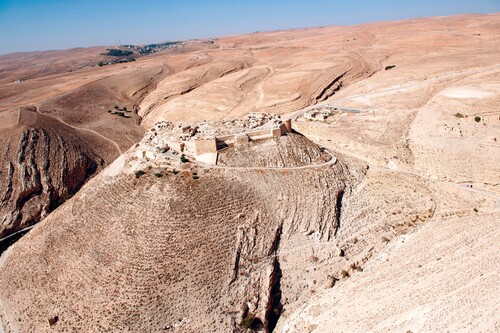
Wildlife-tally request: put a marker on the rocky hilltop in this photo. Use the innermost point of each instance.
(189, 248)
(365, 199)
(177, 253)
(55, 140)
(226, 78)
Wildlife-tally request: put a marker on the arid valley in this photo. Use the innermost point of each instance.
(330, 179)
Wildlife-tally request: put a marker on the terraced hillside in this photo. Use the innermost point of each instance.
(390, 225)
(226, 78)
(232, 249)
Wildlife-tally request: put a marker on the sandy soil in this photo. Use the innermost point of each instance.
(422, 282)
(9, 119)
(465, 92)
(400, 234)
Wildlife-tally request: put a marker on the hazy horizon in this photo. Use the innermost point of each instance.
(37, 25)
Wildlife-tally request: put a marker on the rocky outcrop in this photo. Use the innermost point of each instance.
(43, 164)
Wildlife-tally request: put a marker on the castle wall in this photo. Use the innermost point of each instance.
(229, 139)
(276, 132)
(210, 146)
(286, 127)
(205, 146)
(242, 139)
(208, 158)
(262, 134)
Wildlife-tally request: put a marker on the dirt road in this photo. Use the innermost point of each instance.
(118, 149)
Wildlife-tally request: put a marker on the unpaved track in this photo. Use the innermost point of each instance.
(411, 173)
(426, 81)
(390, 90)
(17, 233)
(447, 183)
(332, 161)
(118, 149)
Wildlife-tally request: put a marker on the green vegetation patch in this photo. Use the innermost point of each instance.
(250, 321)
(151, 48)
(118, 53)
(139, 173)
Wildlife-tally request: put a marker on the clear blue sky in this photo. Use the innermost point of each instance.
(27, 25)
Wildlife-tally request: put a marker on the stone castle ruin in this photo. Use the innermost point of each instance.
(204, 140)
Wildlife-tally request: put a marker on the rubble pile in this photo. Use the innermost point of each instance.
(162, 136)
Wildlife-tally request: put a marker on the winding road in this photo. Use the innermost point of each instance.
(118, 149)
(331, 161)
(424, 82)
(468, 72)
(16, 233)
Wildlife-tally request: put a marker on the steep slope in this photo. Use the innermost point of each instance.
(166, 252)
(227, 251)
(292, 150)
(275, 237)
(430, 123)
(437, 279)
(64, 137)
(43, 164)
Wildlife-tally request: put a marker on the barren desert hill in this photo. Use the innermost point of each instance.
(95, 106)
(422, 282)
(225, 248)
(74, 114)
(24, 66)
(279, 72)
(289, 151)
(379, 214)
(288, 70)
(46, 164)
(222, 251)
